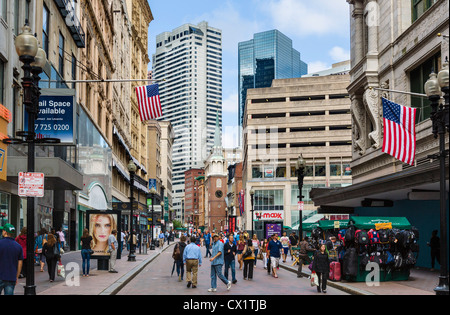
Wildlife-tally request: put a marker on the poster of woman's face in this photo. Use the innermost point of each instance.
(100, 227)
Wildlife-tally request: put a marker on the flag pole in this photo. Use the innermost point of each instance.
(102, 80)
(395, 91)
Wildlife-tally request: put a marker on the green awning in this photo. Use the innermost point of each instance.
(329, 224)
(309, 226)
(368, 223)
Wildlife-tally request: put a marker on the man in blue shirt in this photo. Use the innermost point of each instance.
(161, 239)
(207, 243)
(192, 258)
(11, 260)
(273, 251)
(217, 264)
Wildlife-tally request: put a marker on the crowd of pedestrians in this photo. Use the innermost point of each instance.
(227, 253)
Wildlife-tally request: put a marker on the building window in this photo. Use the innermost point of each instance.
(45, 28)
(74, 70)
(305, 193)
(16, 17)
(4, 11)
(419, 7)
(268, 200)
(2, 80)
(417, 78)
(61, 55)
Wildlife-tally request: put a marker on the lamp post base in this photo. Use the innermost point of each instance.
(442, 288)
(131, 257)
(30, 290)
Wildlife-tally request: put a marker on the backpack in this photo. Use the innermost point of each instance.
(376, 258)
(341, 235)
(410, 258)
(361, 237)
(374, 236)
(384, 236)
(316, 232)
(398, 260)
(350, 235)
(176, 252)
(247, 253)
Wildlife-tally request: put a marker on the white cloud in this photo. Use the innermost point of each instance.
(339, 54)
(235, 27)
(230, 104)
(316, 66)
(305, 17)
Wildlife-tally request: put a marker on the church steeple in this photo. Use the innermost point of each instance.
(217, 148)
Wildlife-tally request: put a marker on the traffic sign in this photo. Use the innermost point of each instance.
(300, 206)
(31, 184)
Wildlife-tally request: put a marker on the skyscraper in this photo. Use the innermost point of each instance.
(190, 60)
(269, 55)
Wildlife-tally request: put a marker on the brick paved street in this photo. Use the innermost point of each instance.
(155, 279)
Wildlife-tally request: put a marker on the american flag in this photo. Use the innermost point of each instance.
(399, 131)
(149, 102)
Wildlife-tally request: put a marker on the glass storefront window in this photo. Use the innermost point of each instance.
(268, 200)
(4, 208)
(308, 171)
(305, 193)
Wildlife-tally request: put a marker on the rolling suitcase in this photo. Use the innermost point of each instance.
(335, 271)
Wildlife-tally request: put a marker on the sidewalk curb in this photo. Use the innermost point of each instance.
(337, 285)
(125, 279)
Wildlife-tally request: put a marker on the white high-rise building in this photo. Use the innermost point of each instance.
(190, 60)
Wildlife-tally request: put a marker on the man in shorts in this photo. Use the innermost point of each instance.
(285, 244)
(273, 251)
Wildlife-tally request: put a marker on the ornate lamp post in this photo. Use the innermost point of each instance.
(34, 60)
(300, 168)
(439, 117)
(252, 195)
(152, 193)
(132, 169)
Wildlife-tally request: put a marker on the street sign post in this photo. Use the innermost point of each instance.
(31, 184)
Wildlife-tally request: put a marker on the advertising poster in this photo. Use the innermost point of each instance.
(272, 228)
(56, 116)
(100, 225)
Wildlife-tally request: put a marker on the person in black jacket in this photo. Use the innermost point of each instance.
(230, 249)
(179, 259)
(321, 266)
(51, 255)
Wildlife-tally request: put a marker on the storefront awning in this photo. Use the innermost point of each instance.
(368, 223)
(397, 186)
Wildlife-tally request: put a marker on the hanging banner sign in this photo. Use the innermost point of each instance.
(5, 119)
(56, 116)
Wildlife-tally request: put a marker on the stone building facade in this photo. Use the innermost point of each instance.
(308, 116)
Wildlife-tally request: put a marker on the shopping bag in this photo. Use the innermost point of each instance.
(314, 279)
(61, 271)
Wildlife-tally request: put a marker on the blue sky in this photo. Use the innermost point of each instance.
(319, 29)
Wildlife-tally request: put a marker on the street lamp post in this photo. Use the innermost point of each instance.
(439, 116)
(34, 60)
(300, 167)
(132, 169)
(252, 195)
(152, 193)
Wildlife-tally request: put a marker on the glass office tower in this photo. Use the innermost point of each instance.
(269, 55)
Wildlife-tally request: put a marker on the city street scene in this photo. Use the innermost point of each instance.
(224, 155)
